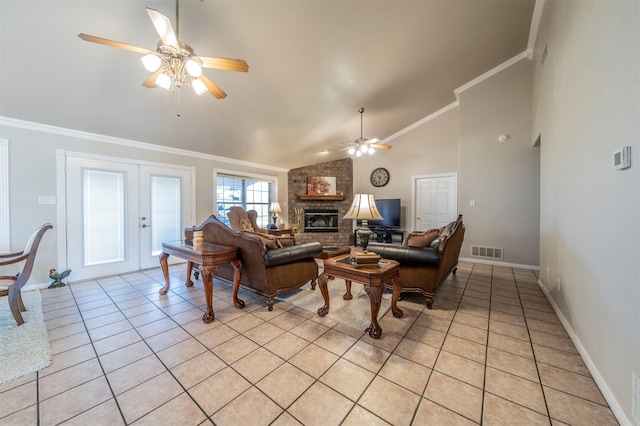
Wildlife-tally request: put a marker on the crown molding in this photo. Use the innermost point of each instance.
(79, 134)
(524, 55)
(535, 25)
(420, 122)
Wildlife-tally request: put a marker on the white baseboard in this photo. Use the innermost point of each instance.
(615, 406)
(497, 263)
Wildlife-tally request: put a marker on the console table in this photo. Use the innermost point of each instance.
(381, 235)
(208, 257)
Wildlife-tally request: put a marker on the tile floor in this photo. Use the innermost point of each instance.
(491, 351)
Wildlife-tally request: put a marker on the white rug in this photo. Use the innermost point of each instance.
(355, 312)
(23, 349)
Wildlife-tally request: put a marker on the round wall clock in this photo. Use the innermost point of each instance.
(379, 177)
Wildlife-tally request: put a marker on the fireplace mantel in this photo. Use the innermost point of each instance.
(311, 197)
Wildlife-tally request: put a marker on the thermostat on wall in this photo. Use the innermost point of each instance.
(622, 158)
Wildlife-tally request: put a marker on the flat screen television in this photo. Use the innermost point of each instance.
(390, 211)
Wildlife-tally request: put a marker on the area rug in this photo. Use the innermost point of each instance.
(355, 312)
(23, 349)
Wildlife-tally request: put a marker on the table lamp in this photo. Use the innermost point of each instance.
(275, 208)
(364, 208)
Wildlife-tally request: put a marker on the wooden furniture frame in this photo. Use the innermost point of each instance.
(374, 281)
(11, 285)
(209, 258)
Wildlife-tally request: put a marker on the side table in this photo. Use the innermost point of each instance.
(373, 280)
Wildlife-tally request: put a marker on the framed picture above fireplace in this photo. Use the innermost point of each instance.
(321, 185)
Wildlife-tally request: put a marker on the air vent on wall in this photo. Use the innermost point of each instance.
(488, 252)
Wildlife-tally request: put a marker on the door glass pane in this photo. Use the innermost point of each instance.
(103, 225)
(165, 211)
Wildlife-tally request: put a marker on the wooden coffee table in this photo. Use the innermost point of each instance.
(373, 280)
(209, 257)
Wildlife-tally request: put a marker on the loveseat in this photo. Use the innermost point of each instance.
(424, 269)
(265, 271)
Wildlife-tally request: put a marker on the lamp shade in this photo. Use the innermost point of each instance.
(363, 207)
(275, 207)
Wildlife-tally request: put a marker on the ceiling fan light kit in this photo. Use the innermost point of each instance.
(182, 66)
(363, 145)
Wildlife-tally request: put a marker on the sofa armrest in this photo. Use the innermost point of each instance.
(407, 255)
(292, 253)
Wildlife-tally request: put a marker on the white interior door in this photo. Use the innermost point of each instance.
(118, 214)
(435, 201)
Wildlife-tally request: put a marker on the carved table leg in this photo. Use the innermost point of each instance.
(347, 294)
(207, 279)
(165, 271)
(375, 295)
(322, 283)
(237, 266)
(397, 287)
(188, 282)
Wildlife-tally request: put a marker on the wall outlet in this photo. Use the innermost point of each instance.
(635, 397)
(558, 284)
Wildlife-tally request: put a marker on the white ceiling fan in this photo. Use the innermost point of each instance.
(363, 145)
(174, 63)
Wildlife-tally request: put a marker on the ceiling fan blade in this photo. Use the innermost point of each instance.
(373, 140)
(151, 81)
(224, 64)
(163, 26)
(212, 87)
(111, 43)
(346, 148)
(379, 146)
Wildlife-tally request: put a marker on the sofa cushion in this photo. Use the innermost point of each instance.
(421, 239)
(290, 254)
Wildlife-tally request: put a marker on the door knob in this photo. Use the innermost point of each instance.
(144, 225)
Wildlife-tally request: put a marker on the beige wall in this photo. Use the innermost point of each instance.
(587, 104)
(32, 173)
(503, 178)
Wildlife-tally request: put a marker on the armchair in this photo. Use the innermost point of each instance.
(10, 285)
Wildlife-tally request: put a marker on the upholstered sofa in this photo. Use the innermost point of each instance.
(424, 269)
(265, 271)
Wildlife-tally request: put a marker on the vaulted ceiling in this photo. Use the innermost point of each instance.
(312, 65)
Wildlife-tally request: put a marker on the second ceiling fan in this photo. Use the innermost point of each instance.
(364, 145)
(174, 63)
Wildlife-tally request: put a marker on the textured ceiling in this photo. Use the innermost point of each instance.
(312, 64)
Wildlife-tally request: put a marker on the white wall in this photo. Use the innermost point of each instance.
(587, 104)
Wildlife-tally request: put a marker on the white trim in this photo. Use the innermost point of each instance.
(608, 395)
(535, 25)
(496, 263)
(38, 127)
(123, 160)
(524, 55)
(61, 209)
(5, 222)
(420, 122)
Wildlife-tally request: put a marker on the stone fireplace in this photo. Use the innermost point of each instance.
(339, 231)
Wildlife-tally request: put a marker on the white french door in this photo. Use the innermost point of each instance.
(118, 214)
(436, 201)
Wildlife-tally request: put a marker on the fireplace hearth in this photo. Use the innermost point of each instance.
(320, 220)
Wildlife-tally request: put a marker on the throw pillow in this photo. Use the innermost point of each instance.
(286, 241)
(422, 239)
(269, 241)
